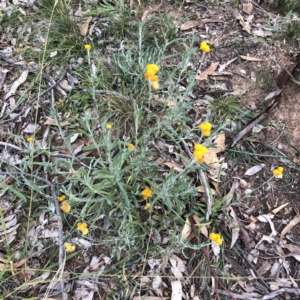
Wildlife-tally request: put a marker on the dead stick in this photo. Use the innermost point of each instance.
(58, 214)
(2, 79)
(33, 100)
(198, 239)
(44, 75)
(214, 273)
(250, 265)
(208, 261)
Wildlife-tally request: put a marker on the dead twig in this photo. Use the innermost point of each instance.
(249, 264)
(5, 144)
(274, 96)
(34, 99)
(212, 270)
(244, 296)
(247, 296)
(44, 75)
(2, 79)
(217, 92)
(203, 183)
(58, 214)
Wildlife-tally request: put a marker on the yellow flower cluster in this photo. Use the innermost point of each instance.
(130, 147)
(146, 193)
(87, 47)
(147, 206)
(83, 228)
(278, 172)
(215, 237)
(65, 207)
(30, 139)
(69, 247)
(150, 75)
(62, 198)
(199, 151)
(204, 47)
(205, 128)
(108, 126)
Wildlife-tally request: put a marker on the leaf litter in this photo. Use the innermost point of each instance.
(86, 289)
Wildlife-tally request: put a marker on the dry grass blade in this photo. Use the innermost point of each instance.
(281, 80)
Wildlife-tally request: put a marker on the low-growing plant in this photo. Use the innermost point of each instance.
(291, 33)
(287, 5)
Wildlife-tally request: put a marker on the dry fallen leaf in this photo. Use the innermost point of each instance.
(273, 94)
(177, 266)
(64, 84)
(225, 65)
(245, 25)
(296, 161)
(200, 22)
(254, 170)
(54, 123)
(276, 210)
(145, 14)
(85, 27)
(168, 102)
(289, 226)
(186, 232)
(176, 290)
(210, 157)
(267, 218)
(261, 33)
(16, 84)
(201, 190)
(203, 228)
(265, 267)
(8, 232)
(209, 71)
(250, 58)
(150, 298)
(295, 249)
(234, 225)
(266, 238)
(244, 236)
(230, 194)
(248, 8)
(152, 9)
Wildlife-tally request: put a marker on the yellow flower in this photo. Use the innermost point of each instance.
(153, 78)
(147, 206)
(108, 126)
(87, 47)
(199, 152)
(215, 237)
(152, 67)
(70, 247)
(65, 207)
(130, 147)
(30, 139)
(147, 193)
(83, 228)
(150, 75)
(278, 172)
(205, 128)
(204, 47)
(61, 198)
(155, 85)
